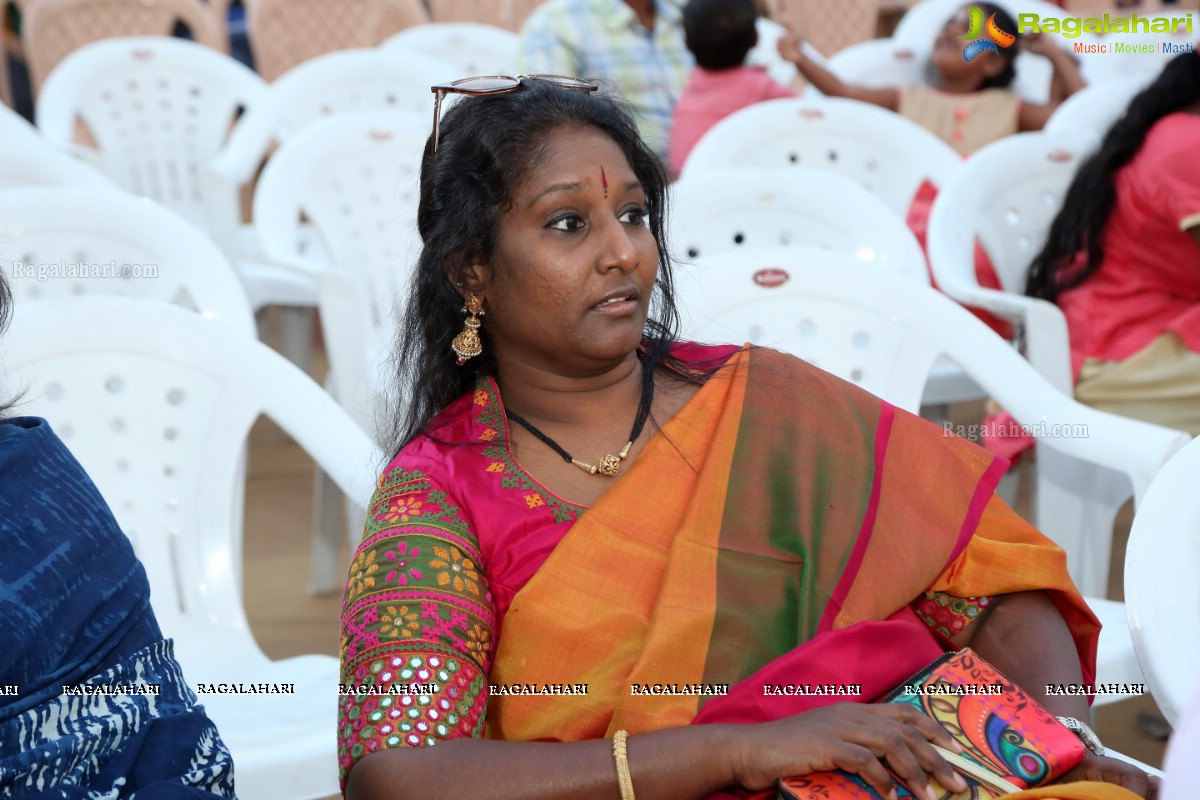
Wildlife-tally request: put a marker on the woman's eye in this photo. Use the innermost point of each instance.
(568, 224)
(634, 216)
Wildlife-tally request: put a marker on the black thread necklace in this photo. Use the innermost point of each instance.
(609, 465)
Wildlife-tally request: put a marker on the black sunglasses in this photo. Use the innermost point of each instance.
(495, 84)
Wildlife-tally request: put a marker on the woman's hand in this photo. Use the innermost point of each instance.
(1113, 770)
(790, 46)
(1039, 44)
(854, 737)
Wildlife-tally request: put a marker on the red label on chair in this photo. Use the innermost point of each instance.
(770, 278)
(380, 136)
(812, 113)
(142, 55)
(904, 55)
(1060, 156)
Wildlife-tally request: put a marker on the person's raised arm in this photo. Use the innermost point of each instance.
(790, 47)
(1067, 80)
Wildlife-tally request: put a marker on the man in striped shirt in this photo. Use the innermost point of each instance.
(633, 46)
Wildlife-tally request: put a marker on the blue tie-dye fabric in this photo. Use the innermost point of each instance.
(75, 609)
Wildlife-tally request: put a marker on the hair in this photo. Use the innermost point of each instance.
(1092, 195)
(720, 32)
(6, 404)
(488, 144)
(1006, 23)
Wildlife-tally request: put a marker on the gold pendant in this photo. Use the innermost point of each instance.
(608, 465)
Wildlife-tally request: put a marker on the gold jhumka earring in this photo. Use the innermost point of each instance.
(467, 345)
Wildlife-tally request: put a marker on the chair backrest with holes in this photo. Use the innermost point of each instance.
(1095, 108)
(510, 14)
(1161, 591)
(348, 81)
(354, 178)
(81, 240)
(1006, 195)
(53, 29)
(287, 33)
(156, 403)
(712, 212)
(876, 148)
(158, 109)
(29, 160)
(472, 48)
(885, 333)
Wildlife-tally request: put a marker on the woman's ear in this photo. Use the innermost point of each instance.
(469, 274)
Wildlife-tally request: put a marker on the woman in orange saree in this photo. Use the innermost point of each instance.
(777, 526)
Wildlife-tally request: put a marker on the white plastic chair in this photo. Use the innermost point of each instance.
(53, 29)
(354, 178)
(1007, 195)
(719, 210)
(156, 403)
(884, 152)
(1161, 590)
(28, 160)
(471, 48)
(884, 333)
(1095, 108)
(158, 108)
(880, 63)
(133, 246)
(350, 81)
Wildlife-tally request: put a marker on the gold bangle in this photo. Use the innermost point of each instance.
(624, 782)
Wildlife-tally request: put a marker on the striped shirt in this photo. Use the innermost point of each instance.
(603, 40)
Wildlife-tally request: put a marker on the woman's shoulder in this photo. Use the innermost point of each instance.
(1168, 149)
(1177, 131)
(458, 431)
(29, 441)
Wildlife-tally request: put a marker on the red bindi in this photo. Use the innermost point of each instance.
(604, 181)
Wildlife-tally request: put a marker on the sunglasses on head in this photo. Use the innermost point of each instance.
(495, 84)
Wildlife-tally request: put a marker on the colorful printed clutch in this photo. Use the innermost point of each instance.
(1009, 739)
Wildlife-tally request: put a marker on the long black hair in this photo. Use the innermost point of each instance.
(5, 315)
(487, 144)
(1092, 195)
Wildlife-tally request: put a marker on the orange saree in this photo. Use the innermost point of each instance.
(775, 531)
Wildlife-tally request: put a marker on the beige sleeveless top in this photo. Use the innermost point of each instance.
(966, 122)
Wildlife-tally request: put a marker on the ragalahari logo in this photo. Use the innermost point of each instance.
(992, 34)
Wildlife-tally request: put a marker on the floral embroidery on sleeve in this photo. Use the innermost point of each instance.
(947, 614)
(417, 625)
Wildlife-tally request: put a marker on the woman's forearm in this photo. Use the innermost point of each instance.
(676, 763)
(1066, 73)
(1025, 637)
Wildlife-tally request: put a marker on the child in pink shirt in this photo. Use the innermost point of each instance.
(719, 33)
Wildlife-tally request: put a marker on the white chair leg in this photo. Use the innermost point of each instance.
(295, 335)
(327, 539)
